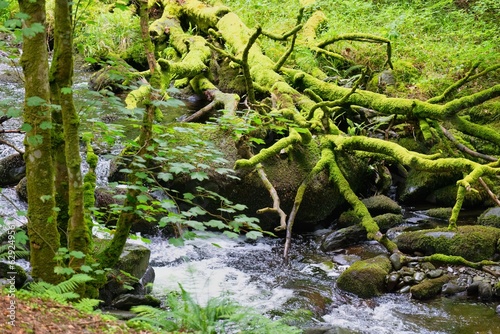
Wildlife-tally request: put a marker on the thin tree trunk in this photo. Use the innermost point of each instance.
(42, 223)
(62, 79)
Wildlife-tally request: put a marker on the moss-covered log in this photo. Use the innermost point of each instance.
(311, 105)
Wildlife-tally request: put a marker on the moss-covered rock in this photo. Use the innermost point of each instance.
(441, 213)
(381, 204)
(420, 184)
(428, 288)
(474, 243)
(134, 260)
(447, 196)
(490, 217)
(366, 278)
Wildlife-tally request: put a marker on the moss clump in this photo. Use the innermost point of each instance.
(441, 213)
(474, 243)
(381, 204)
(428, 288)
(366, 278)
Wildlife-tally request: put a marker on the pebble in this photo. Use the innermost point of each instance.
(435, 273)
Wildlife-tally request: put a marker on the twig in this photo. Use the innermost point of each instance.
(490, 193)
(464, 148)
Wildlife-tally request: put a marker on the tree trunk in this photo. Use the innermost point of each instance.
(78, 237)
(42, 224)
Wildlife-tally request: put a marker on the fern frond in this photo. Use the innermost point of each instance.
(87, 304)
(71, 284)
(156, 317)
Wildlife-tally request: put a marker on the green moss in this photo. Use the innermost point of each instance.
(366, 278)
(428, 288)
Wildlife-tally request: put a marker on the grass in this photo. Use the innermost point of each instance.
(434, 43)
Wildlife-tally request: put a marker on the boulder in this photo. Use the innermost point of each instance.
(474, 243)
(12, 169)
(490, 217)
(354, 234)
(127, 301)
(366, 278)
(9, 271)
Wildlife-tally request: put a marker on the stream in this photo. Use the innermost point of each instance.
(252, 273)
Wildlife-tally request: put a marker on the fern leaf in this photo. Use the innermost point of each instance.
(71, 284)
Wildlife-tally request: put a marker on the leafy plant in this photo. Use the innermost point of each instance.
(219, 315)
(62, 292)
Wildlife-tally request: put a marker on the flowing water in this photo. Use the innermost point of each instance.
(253, 274)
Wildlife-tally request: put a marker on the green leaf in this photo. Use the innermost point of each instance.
(66, 90)
(177, 242)
(34, 140)
(230, 235)
(91, 60)
(200, 176)
(165, 176)
(77, 254)
(258, 140)
(26, 127)
(188, 196)
(86, 269)
(35, 101)
(215, 223)
(63, 271)
(196, 211)
(46, 125)
(254, 235)
(13, 112)
(195, 224)
(142, 198)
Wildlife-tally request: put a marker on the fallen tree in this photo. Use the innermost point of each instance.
(311, 107)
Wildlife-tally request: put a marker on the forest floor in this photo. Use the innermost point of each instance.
(36, 315)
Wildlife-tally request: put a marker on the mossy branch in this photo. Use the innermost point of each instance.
(467, 78)
(368, 38)
(449, 259)
(320, 165)
(293, 138)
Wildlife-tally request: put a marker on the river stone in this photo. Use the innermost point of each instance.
(490, 217)
(418, 276)
(435, 273)
(474, 243)
(12, 169)
(343, 237)
(429, 288)
(392, 281)
(484, 291)
(134, 260)
(366, 278)
(22, 190)
(498, 309)
(396, 261)
(451, 288)
(127, 301)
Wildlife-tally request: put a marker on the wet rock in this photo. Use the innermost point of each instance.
(418, 276)
(435, 273)
(392, 281)
(429, 288)
(405, 289)
(396, 261)
(127, 301)
(12, 169)
(366, 278)
(484, 291)
(474, 243)
(9, 271)
(490, 217)
(343, 237)
(498, 309)
(451, 288)
(21, 189)
(126, 276)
